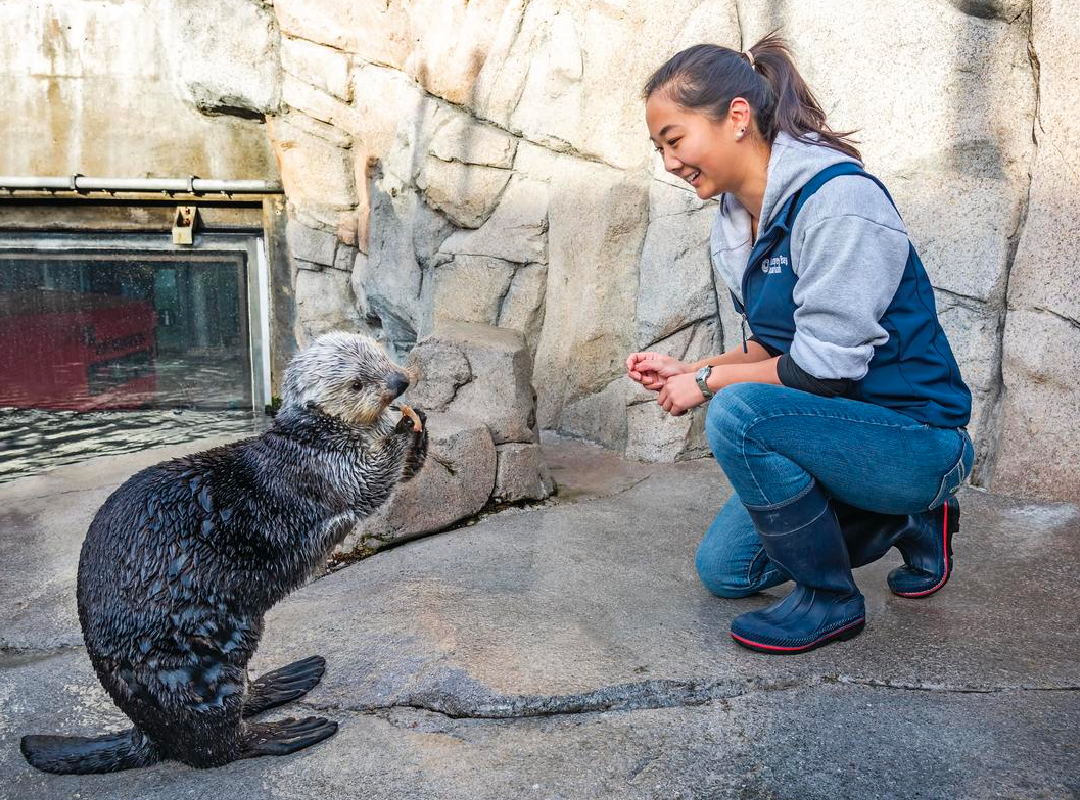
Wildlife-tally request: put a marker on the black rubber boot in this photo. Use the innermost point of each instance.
(926, 545)
(925, 541)
(868, 534)
(803, 538)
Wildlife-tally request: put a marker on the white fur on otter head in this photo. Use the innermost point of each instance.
(345, 375)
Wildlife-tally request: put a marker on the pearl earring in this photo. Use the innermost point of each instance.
(740, 134)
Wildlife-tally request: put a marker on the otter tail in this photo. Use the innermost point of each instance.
(80, 755)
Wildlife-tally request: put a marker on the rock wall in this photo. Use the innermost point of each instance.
(488, 161)
(1036, 450)
(137, 88)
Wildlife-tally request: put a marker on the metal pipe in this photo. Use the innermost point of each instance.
(190, 185)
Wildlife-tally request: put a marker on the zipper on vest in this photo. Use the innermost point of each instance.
(742, 325)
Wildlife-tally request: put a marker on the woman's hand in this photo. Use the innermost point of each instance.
(679, 394)
(653, 370)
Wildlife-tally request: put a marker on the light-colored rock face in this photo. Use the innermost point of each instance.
(478, 371)
(324, 303)
(469, 289)
(124, 88)
(317, 170)
(229, 64)
(947, 125)
(569, 74)
(455, 482)
(1038, 452)
(521, 474)
(512, 185)
(487, 161)
(597, 222)
(475, 386)
(322, 67)
(516, 186)
(974, 331)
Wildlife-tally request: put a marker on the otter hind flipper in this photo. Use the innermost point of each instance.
(83, 755)
(281, 686)
(284, 736)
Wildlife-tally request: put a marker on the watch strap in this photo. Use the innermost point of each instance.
(701, 377)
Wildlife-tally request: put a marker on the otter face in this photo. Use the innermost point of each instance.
(345, 375)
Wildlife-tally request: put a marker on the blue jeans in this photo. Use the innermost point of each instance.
(771, 441)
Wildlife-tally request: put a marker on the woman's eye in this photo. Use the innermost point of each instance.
(674, 142)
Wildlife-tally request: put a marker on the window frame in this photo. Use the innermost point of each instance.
(257, 279)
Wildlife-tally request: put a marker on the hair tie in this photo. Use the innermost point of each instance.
(749, 56)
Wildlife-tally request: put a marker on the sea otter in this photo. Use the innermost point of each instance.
(182, 562)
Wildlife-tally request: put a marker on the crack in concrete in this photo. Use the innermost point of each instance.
(647, 695)
(111, 486)
(614, 493)
(650, 694)
(7, 650)
(943, 688)
(15, 657)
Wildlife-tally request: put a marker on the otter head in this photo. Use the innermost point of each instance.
(345, 375)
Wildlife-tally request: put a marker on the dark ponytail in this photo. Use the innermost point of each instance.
(708, 77)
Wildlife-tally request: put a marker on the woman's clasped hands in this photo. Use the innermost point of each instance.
(673, 380)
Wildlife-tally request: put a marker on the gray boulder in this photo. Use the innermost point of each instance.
(490, 378)
(455, 483)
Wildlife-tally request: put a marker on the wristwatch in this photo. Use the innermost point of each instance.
(702, 376)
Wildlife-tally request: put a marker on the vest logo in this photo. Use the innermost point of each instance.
(774, 265)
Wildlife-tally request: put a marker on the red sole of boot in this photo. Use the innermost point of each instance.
(849, 631)
(950, 525)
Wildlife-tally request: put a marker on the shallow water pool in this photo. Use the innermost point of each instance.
(33, 441)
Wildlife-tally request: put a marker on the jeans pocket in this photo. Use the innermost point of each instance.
(952, 480)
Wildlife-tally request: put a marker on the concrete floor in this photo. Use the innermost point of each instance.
(569, 651)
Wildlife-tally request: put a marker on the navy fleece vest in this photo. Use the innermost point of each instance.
(914, 372)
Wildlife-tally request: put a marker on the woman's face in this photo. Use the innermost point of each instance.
(696, 148)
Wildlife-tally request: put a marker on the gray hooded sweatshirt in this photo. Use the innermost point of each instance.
(849, 248)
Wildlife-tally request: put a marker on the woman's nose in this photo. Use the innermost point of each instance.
(671, 164)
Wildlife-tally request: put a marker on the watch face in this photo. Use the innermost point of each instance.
(703, 373)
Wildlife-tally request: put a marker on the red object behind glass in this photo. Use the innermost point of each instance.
(69, 350)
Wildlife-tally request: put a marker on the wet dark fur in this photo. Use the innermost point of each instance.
(182, 562)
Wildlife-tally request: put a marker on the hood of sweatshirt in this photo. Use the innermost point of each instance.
(791, 164)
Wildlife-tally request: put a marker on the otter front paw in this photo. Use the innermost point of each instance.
(412, 421)
(417, 452)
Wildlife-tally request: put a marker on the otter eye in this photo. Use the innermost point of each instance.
(356, 385)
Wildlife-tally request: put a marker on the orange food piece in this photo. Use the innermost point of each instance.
(408, 412)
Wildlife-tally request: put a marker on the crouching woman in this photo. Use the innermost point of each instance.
(841, 421)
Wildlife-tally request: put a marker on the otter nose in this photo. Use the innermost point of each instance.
(398, 383)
